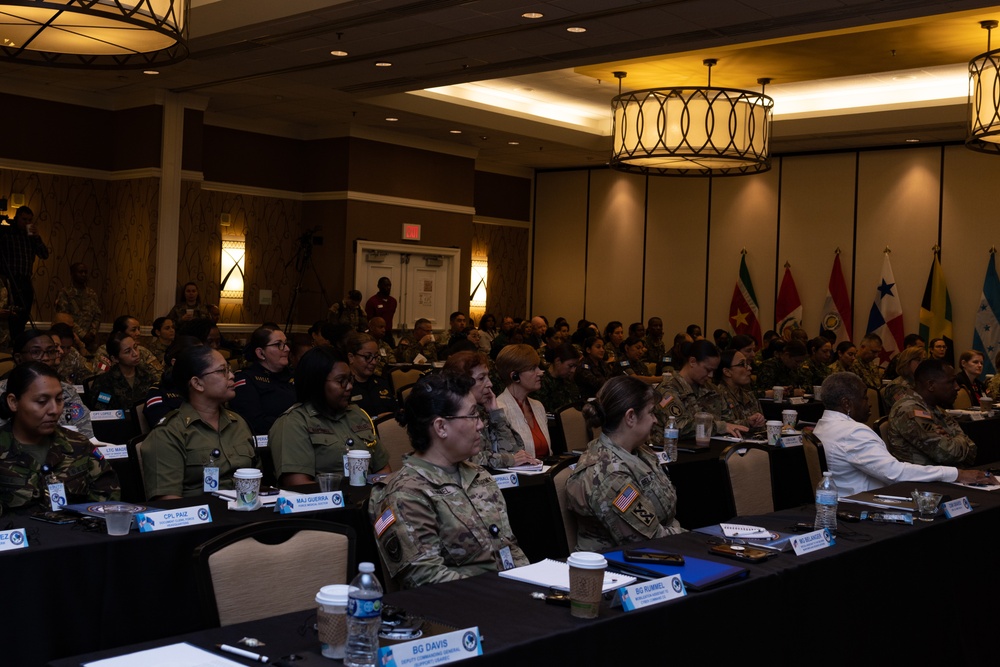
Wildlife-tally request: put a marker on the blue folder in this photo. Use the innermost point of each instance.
(696, 573)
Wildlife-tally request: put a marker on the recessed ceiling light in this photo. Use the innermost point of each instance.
(454, 131)
(383, 63)
(532, 15)
(391, 119)
(150, 71)
(913, 141)
(339, 54)
(576, 28)
(513, 143)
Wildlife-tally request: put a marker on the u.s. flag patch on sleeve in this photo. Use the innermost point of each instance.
(625, 498)
(384, 521)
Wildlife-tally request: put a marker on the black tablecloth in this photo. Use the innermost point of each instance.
(986, 434)
(810, 411)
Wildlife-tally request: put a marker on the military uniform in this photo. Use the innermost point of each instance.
(626, 367)
(179, 310)
(590, 377)
(83, 306)
(895, 390)
(870, 373)
(556, 392)
(682, 400)
(305, 440)
(175, 452)
(773, 373)
(74, 368)
(69, 455)
(812, 374)
(656, 352)
(157, 348)
(993, 389)
(375, 395)
(111, 391)
(736, 405)
(103, 363)
(386, 355)
(262, 396)
(75, 413)
(498, 442)
(620, 497)
(434, 524)
(409, 348)
(341, 313)
(927, 436)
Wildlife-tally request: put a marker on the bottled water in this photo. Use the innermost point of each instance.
(364, 618)
(670, 434)
(826, 504)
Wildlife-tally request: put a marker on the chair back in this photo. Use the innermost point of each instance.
(963, 401)
(403, 392)
(574, 426)
(813, 463)
(748, 469)
(139, 416)
(288, 561)
(401, 379)
(882, 428)
(129, 471)
(394, 438)
(6, 365)
(568, 518)
(874, 401)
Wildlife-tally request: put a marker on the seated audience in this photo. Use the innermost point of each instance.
(373, 394)
(782, 369)
(970, 366)
(73, 367)
(129, 325)
(614, 334)
(656, 350)
(593, 371)
(732, 397)
(418, 343)
(867, 362)
(937, 349)
(993, 390)
(815, 369)
(126, 383)
(518, 366)
(910, 340)
(906, 363)
(487, 332)
(747, 346)
(386, 353)
(163, 335)
(688, 392)
(846, 354)
(163, 397)
(264, 389)
(441, 517)
(631, 361)
(558, 387)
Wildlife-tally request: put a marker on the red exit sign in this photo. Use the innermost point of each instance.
(411, 232)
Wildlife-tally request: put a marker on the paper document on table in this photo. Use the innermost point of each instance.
(751, 441)
(550, 573)
(174, 655)
(979, 487)
(536, 469)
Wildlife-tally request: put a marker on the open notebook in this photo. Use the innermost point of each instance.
(550, 573)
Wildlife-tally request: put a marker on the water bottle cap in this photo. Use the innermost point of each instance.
(366, 567)
(828, 474)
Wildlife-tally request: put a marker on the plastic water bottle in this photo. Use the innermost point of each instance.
(210, 472)
(826, 504)
(670, 434)
(364, 618)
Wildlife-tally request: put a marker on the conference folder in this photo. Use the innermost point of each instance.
(696, 573)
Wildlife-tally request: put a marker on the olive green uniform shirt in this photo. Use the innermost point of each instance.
(927, 436)
(305, 440)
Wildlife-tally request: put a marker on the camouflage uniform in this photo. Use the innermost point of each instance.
(70, 457)
(157, 348)
(305, 440)
(433, 524)
(993, 389)
(111, 391)
(408, 349)
(655, 351)
(927, 436)
(870, 373)
(681, 400)
(74, 368)
(175, 452)
(556, 392)
(75, 413)
(812, 374)
(83, 306)
(773, 373)
(735, 404)
(386, 355)
(498, 442)
(590, 377)
(179, 310)
(103, 363)
(341, 313)
(620, 497)
(895, 390)
(625, 367)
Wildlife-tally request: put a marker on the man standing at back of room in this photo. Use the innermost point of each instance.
(383, 304)
(19, 245)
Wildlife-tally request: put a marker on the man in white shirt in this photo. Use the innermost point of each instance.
(856, 456)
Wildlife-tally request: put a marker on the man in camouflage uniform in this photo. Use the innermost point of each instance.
(620, 497)
(418, 341)
(349, 312)
(433, 525)
(386, 355)
(80, 302)
(457, 323)
(782, 370)
(69, 457)
(656, 349)
(866, 365)
(920, 431)
(73, 368)
(556, 392)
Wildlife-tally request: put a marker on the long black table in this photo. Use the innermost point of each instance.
(882, 593)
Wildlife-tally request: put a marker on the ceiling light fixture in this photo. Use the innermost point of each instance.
(391, 119)
(984, 99)
(383, 63)
(454, 132)
(91, 34)
(701, 131)
(339, 54)
(532, 15)
(513, 143)
(576, 28)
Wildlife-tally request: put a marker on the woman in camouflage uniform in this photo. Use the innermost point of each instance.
(558, 388)
(733, 397)
(594, 371)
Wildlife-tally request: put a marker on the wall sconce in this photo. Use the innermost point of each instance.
(233, 266)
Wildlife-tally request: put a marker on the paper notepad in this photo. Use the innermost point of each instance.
(550, 573)
(174, 655)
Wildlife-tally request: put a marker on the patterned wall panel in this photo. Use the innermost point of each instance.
(507, 251)
(131, 249)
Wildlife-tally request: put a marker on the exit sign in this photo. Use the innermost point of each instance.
(411, 232)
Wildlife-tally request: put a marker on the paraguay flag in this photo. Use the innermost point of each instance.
(886, 315)
(837, 308)
(935, 309)
(986, 338)
(743, 312)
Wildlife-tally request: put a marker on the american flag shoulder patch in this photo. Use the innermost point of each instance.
(667, 399)
(384, 521)
(625, 498)
(921, 414)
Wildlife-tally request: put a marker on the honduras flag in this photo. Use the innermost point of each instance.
(986, 339)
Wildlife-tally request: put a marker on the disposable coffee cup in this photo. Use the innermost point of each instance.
(118, 518)
(779, 394)
(329, 481)
(773, 432)
(586, 582)
(985, 404)
(789, 418)
(247, 482)
(331, 619)
(358, 461)
(817, 392)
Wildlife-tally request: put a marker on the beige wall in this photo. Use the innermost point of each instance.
(799, 212)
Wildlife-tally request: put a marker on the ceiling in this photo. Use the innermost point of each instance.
(267, 66)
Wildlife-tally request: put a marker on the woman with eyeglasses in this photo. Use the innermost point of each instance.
(315, 434)
(264, 389)
(689, 391)
(176, 451)
(441, 517)
(373, 394)
(733, 397)
(126, 383)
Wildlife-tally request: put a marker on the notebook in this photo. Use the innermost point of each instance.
(550, 573)
(696, 573)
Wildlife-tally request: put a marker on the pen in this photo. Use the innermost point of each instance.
(899, 498)
(256, 657)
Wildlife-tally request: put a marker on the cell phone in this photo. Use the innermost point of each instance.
(743, 553)
(58, 518)
(803, 527)
(848, 516)
(269, 491)
(652, 556)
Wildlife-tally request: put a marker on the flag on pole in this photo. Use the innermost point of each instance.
(935, 309)
(886, 315)
(743, 311)
(837, 308)
(788, 309)
(986, 338)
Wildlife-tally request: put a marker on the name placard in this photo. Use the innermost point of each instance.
(107, 415)
(648, 593)
(13, 539)
(958, 507)
(436, 650)
(261, 441)
(308, 502)
(507, 480)
(814, 541)
(149, 522)
(790, 441)
(113, 451)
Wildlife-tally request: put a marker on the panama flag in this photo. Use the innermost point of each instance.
(837, 308)
(935, 309)
(886, 316)
(743, 312)
(986, 339)
(788, 309)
